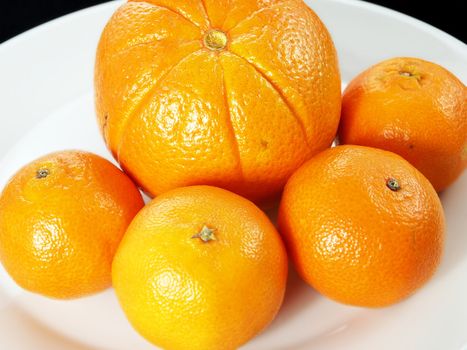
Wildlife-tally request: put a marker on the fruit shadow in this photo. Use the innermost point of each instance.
(298, 295)
(454, 201)
(42, 334)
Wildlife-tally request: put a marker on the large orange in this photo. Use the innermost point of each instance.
(61, 220)
(363, 226)
(236, 94)
(414, 108)
(200, 268)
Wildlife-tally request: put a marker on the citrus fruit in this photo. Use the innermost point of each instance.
(363, 226)
(235, 94)
(200, 268)
(61, 220)
(414, 108)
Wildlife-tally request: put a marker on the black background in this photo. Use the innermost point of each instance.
(17, 16)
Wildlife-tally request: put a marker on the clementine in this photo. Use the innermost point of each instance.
(363, 226)
(200, 268)
(235, 94)
(61, 220)
(414, 108)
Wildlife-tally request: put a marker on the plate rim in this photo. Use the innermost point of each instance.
(360, 4)
(451, 42)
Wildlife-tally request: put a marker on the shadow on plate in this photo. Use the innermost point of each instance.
(455, 207)
(297, 296)
(40, 337)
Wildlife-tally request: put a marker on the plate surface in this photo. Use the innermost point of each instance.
(46, 99)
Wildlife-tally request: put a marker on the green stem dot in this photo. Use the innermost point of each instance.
(393, 184)
(42, 173)
(206, 234)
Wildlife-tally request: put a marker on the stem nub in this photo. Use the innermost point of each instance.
(42, 173)
(215, 40)
(393, 184)
(405, 74)
(206, 234)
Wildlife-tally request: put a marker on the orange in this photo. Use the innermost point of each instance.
(235, 94)
(61, 220)
(200, 268)
(362, 225)
(414, 108)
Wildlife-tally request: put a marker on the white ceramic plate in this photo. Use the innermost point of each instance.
(46, 105)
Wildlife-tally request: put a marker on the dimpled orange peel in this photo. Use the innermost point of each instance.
(200, 268)
(362, 225)
(235, 94)
(414, 108)
(62, 217)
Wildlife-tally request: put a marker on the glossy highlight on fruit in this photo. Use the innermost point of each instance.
(362, 225)
(61, 220)
(235, 94)
(200, 268)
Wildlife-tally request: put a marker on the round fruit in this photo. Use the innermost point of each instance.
(414, 108)
(235, 94)
(61, 220)
(200, 268)
(362, 225)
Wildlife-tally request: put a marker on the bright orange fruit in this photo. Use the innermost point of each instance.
(235, 94)
(363, 226)
(61, 220)
(200, 268)
(414, 108)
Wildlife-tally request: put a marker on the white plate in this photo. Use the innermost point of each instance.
(46, 105)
